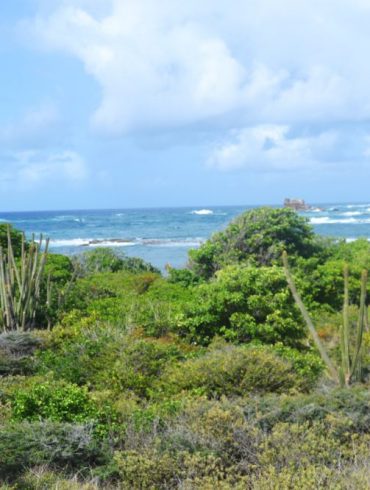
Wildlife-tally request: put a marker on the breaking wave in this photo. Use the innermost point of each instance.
(350, 206)
(202, 212)
(325, 220)
(121, 242)
(352, 213)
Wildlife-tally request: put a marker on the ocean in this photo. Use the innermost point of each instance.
(164, 236)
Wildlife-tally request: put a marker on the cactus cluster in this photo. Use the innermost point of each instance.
(20, 283)
(351, 350)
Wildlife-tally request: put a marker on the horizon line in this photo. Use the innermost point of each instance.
(203, 206)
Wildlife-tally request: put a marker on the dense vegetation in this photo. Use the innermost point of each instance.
(207, 378)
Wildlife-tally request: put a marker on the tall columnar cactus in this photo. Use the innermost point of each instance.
(350, 369)
(20, 283)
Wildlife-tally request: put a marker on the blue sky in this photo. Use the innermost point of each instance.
(137, 103)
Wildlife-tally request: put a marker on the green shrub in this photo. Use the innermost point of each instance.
(60, 268)
(185, 277)
(244, 304)
(136, 265)
(16, 353)
(156, 311)
(144, 281)
(16, 238)
(308, 477)
(229, 371)
(149, 469)
(80, 355)
(19, 343)
(347, 410)
(105, 259)
(65, 446)
(45, 479)
(101, 355)
(10, 366)
(102, 259)
(140, 363)
(60, 402)
(307, 364)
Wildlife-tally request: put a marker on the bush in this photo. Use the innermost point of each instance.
(104, 259)
(244, 304)
(260, 236)
(140, 363)
(149, 469)
(307, 364)
(81, 354)
(64, 446)
(15, 236)
(185, 277)
(347, 410)
(137, 265)
(103, 355)
(60, 268)
(205, 442)
(60, 402)
(44, 479)
(16, 351)
(230, 370)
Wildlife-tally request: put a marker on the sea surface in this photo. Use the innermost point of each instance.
(164, 236)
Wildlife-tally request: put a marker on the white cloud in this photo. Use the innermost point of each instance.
(271, 148)
(34, 169)
(262, 70)
(173, 63)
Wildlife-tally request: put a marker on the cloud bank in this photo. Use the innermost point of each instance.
(279, 77)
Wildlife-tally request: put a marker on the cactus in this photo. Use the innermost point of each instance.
(20, 283)
(350, 369)
(356, 366)
(320, 347)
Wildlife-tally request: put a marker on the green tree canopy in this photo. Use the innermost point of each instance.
(260, 236)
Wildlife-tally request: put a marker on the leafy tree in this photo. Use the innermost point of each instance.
(258, 236)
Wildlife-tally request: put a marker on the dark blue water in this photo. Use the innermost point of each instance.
(163, 236)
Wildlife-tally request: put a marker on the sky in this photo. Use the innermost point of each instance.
(151, 103)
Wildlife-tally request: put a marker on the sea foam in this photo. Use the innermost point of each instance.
(325, 220)
(202, 212)
(120, 242)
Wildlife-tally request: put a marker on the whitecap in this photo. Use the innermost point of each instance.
(352, 213)
(202, 212)
(325, 220)
(71, 242)
(350, 206)
(173, 242)
(92, 242)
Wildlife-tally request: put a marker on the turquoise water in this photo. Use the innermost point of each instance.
(165, 235)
